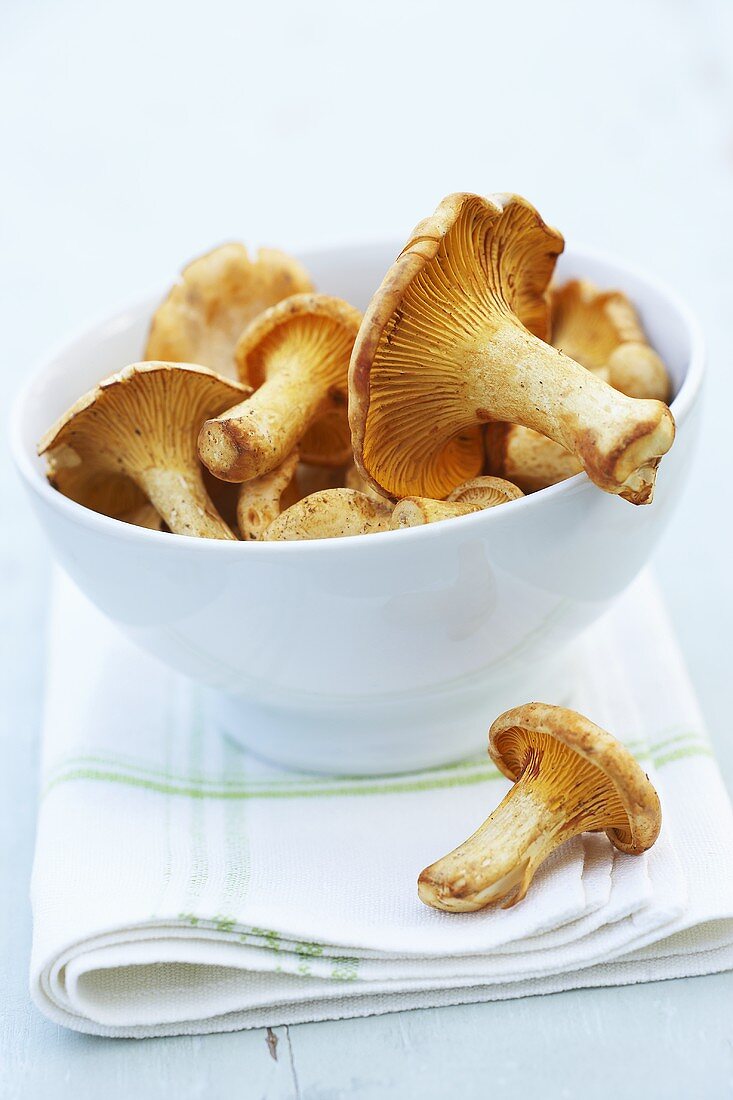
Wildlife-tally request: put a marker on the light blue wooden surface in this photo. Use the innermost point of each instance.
(134, 135)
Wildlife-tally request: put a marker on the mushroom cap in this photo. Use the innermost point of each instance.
(148, 406)
(485, 492)
(145, 417)
(318, 331)
(144, 516)
(330, 514)
(517, 730)
(527, 458)
(602, 330)
(637, 371)
(353, 479)
(218, 294)
(474, 263)
(110, 494)
(304, 326)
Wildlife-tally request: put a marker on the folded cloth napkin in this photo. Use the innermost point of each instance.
(182, 886)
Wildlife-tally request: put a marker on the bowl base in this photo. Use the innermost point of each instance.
(388, 736)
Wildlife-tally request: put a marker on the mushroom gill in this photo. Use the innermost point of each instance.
(485, 492)
(141, 425)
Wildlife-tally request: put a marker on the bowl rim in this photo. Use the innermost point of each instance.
(126, 532)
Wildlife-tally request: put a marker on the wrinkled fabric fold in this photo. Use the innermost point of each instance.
(181, 886)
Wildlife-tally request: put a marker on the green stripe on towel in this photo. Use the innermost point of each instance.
(77, 769)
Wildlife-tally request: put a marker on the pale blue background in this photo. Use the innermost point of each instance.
(134, 135)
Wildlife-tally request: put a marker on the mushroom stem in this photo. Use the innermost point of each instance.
(516, 377)
(556, 797)
(257, 435)
(498, 860)
(182, 501)
(261, 500)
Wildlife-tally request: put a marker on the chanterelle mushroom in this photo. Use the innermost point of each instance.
(296, 355)
(354, 480)
(330, 514)
(312, 479)
(601, 329)
(416, 511)
(142, 424)
(530, 460)
(144, 516)
(485, 492)
(454, 338)
(217, 296)
(262, 499)
(472, 496)
(569, 777)
(109, 493)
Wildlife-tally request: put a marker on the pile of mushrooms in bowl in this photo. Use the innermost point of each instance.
(264, 410)
(515, 394)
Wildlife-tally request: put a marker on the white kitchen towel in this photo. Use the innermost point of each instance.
(183, 886)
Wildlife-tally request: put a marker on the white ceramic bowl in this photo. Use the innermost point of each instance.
(380, 653)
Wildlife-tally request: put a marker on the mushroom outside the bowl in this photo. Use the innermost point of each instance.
(570, 777)
(455, 338)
